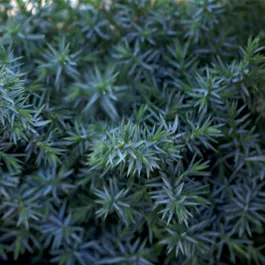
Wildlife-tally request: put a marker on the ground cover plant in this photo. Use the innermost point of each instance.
(132, 132)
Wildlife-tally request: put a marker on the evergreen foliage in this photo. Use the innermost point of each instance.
(132, 132)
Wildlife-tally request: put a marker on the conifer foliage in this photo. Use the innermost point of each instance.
(132, 132)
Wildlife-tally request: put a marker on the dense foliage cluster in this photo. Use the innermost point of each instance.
(132, 132)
